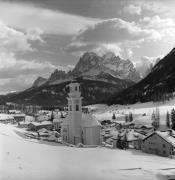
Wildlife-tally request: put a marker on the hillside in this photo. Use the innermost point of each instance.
(158, 85)
(49, 95)
(100, 78)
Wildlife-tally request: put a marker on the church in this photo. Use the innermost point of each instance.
(79, 127)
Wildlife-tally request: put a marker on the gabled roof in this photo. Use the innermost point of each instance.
(59, 120)
(89, 121)
(131, 135)
(4, 117)
(40, 124)
(164, 135)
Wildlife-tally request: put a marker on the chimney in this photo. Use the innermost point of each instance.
(170, 132)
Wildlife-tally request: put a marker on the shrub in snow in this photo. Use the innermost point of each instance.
(80, 145)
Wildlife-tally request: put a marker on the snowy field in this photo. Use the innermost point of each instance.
(24, 159)
(104, 112)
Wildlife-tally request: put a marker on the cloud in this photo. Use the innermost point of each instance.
(25, 16)
(132, 9)
(18, 74)
(112, 33)
(165, 26)
(35, 34)
(153, 60)
(156, 22)
(10, 67)
(144, 65)
(12, 40)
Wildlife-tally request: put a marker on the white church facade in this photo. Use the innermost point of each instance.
(79, 127)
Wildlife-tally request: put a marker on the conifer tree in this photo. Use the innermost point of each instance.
(168, 119)
(157, 124)
(130, 117)
(113, 116)
(52, 117)
(126, 118)
(156, 119)
(61, 116)
(173, 118)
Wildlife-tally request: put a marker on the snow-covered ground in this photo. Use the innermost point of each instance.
(104, 112)
(23, 159)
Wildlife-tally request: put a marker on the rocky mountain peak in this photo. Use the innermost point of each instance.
(91, 64)
(57, 75)
(39, 81)
(109, 55)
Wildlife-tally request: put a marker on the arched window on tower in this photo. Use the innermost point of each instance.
(77, 107)
(76, 88)
(70, 107)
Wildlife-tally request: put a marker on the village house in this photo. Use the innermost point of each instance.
(19, 117)
(35, 126)
(57, 123)
(128, 138)
(79, 127)
(160, 143)
(6, 118)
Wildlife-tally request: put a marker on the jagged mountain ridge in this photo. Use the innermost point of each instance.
(91, 66)
(161, 81)
(39, 82)
(100, 78)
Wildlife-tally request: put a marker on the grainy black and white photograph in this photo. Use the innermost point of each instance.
(87, 90)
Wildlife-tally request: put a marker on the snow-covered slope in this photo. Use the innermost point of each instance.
(21, 159)
(104, 112)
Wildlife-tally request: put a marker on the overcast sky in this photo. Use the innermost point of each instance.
(38, 36)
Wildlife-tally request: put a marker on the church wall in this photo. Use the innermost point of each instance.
(92, 135)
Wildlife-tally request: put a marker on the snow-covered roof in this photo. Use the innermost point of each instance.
(42, 123)
(46, 123)
(165, 135)
(88, 120)
(18, 115)
(4, 117)
(35, 123)
(58, 120)
(24, 123)
(131, 135)
(42, 130)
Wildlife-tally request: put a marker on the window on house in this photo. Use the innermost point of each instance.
(164, 152)
(75, 88)
(163, 145)
(77, 107)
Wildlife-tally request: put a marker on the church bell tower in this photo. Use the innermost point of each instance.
(75, 112)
